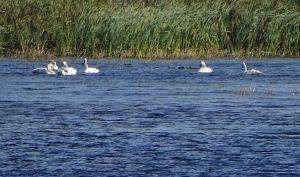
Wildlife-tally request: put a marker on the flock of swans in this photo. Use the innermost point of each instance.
(205, 69)
(66, 70)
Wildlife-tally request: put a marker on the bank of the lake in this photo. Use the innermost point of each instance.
(150, 29)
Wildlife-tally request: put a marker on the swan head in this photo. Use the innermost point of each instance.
(65, 64)
(84, 62)
(203, 65)
(55, 67)
(244, 64)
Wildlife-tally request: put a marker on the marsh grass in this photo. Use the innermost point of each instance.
(246, 90)
(270, 91)
(152, 28)
(295, 92)
(249, 90)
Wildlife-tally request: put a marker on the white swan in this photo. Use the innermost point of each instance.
(49, 70)
(88, 69)
(66, 70)
(204, 69)
(55, 67)
(250, 71)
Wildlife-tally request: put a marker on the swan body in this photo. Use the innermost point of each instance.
(251, 71)
(89, 70)
(204, 69)
(66, 70)
(49, 70)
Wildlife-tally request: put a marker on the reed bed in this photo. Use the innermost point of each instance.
(247, 90)
(150, 28)
(295, 92)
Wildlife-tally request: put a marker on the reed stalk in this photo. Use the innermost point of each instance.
(150, 28)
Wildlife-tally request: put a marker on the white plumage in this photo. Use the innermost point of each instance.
(48, 70)
(250, 71)
(204, 69)
(66, 70)
(89, 70)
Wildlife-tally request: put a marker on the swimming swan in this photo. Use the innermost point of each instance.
(66, 70)
(250, 71)
(55, 67)
(49, 70)
(89, 70)
(204, 69)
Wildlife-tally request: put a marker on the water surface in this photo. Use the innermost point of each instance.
(151, 118)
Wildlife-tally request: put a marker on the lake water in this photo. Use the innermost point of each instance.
(151, 118)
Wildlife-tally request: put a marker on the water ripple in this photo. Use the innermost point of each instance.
(150, 118)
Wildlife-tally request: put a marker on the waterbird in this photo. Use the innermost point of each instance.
(48, 70)
(66, 70)
(251, 71)
(89, 70)
(204, 69)
(55, 67)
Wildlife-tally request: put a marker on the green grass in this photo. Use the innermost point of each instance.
(153, 28)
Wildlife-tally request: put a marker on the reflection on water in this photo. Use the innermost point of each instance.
(151, 118)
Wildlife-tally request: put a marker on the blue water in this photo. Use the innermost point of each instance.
(151, 118)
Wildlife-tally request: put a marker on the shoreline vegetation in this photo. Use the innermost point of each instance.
(150, 28)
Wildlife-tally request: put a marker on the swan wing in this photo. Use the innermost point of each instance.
(40, 70)
(72, 71)
(50, 72)
(63, 71)
(69, 71)
(55, 67)
(254, 71)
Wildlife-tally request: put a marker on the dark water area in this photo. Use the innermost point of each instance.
(151, 118)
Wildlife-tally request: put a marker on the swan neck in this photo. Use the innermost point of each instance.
(203, 66)
(245, 67)
(85, 64)
(50, 67)
(66, 65)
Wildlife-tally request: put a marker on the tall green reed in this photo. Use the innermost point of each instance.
(141, 28)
